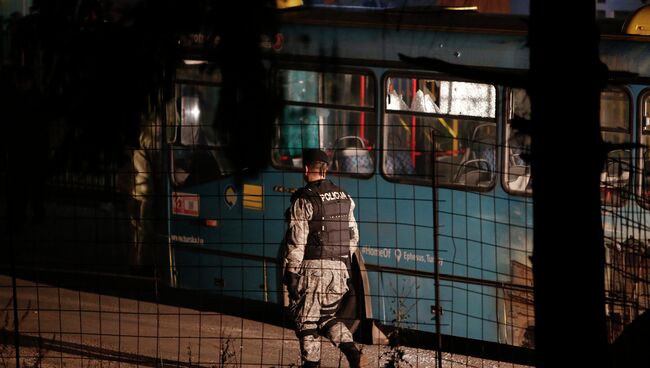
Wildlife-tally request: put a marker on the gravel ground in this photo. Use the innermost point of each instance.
(80, 329)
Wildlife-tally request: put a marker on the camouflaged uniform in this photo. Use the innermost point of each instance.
(320, 257)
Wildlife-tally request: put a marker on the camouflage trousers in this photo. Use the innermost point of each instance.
(322, 286)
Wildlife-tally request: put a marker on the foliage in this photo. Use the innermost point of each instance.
(94, 70)
(402, 306)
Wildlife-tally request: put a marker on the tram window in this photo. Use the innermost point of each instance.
(327, 110)
(198, 154)
(449, 120)
(198, 105)
(517, 148)
(615, 128)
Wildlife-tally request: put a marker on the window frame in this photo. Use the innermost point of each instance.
(507, 117)
(402, 179)
(372, 123)
(174, 142)
(642, 200)
(217, 82)
(631, 182)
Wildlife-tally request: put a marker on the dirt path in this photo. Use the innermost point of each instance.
(68, 328)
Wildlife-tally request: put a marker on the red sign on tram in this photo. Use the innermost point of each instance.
(185, 204)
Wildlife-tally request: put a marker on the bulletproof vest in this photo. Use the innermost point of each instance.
(329, 230)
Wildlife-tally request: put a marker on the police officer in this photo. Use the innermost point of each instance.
(321, 237)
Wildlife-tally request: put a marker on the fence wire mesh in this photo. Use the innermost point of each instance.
(98, 281)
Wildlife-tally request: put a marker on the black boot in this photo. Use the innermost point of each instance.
(308, 364)
(351, 352)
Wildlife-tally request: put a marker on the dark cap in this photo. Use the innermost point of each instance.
(313, 155)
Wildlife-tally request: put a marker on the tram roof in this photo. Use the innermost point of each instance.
(469, 38)
(406, 18)
(497, 41)
(424, 19)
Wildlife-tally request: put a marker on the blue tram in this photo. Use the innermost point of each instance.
(438, 173)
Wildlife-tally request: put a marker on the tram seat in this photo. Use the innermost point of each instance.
(352, 156)
(483, 143)
(399, 162)
(477, 167)
(474, 173)
(616, 171)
